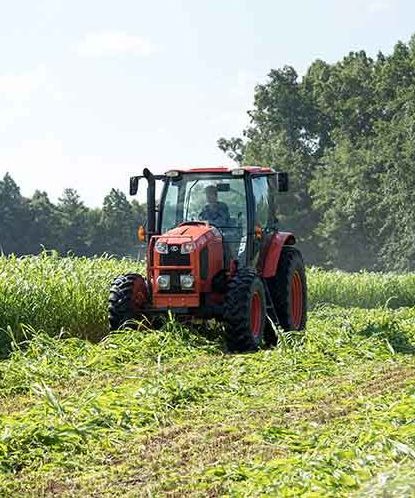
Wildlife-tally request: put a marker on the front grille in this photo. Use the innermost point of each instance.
(174, 257)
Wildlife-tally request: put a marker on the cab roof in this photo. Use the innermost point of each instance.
(223, 169)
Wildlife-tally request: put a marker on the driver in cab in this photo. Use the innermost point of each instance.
(215, 212)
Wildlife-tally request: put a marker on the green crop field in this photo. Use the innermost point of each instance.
(328, 412)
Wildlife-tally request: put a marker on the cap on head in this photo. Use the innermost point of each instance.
(211, 189)
(211, 194)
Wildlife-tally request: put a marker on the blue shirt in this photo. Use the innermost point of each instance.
(216, 214)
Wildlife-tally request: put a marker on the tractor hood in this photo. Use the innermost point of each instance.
(198, 233)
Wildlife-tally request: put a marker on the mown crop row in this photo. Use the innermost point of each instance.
(328, 412)
(325, 413)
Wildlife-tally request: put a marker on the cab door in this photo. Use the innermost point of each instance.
(264, 220)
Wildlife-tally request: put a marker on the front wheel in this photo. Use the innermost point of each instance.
(128, 293)
(245, 311)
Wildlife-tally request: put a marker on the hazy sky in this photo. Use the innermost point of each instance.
(93, 90)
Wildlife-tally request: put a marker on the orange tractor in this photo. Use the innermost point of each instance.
(214, 251)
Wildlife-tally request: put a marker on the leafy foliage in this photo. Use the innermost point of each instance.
(29, 225)
(345, 133)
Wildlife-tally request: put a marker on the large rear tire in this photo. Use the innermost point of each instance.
(245, 311)
(288, 290)
(127, 295)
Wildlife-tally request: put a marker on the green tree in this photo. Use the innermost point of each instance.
(280, 136)
(345, 133)
(346, 193)
(395, 149)
(95, 237)
(117, 222)
(73, 224)
(343, 98)
(44, 222)
(14, 218)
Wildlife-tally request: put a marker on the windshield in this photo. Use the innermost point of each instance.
(218, 199)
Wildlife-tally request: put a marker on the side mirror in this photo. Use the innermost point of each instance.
(282, 181)
(134, 184)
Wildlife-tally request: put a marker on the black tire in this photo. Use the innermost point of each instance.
(122, 305)
(245, 292)
(289, 280)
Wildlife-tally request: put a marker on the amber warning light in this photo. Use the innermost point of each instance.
(141, 233)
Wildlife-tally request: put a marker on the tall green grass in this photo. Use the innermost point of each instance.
(58, 295)
(360, 290)
(68, 296)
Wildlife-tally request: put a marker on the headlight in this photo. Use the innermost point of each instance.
(161, 247)
(187, 281)
(163, 281)
(187, 247)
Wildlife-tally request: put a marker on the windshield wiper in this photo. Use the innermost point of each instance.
(188, 197)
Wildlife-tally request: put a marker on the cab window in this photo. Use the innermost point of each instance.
(261, 198)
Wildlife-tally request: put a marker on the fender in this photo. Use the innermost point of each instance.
(268, 264)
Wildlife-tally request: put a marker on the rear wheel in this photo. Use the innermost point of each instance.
(128, 293)
(288, 290)
(245, 311)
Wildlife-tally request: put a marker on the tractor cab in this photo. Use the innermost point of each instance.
(214, 198)
(241, 203)
(213, 248)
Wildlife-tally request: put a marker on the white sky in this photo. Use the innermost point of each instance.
(93, 90)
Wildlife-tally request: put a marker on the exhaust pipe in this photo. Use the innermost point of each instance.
(151, 202)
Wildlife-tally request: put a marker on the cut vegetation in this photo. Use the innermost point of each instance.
(328, 412)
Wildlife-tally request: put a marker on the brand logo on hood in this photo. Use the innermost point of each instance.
(174, 248)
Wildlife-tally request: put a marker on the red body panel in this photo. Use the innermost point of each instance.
(202, 235)
(268, 262)
(176, 300)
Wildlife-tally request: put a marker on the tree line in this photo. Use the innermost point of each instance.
(344, 131)
(29, 225)
(346, 134)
